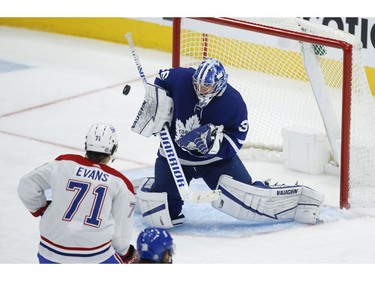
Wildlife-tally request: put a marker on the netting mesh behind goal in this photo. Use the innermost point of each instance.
(270, 74)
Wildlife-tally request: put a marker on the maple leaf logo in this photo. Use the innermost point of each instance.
(191, 124)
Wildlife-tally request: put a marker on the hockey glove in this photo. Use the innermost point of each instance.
(156, 110)
(130, 255)
(41, 211)
(203, 141)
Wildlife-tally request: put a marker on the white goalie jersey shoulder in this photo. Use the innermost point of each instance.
(156, 110)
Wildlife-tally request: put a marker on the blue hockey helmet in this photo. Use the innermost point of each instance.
(209, 79)
(152, 243)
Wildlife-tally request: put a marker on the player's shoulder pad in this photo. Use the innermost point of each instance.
(172, 73)
(79, 159)
(72, 157)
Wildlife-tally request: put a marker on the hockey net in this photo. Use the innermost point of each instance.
(280, 65)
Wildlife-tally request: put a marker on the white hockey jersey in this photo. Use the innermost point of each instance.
(90, 216)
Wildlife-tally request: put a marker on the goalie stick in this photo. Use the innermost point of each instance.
(170, 152)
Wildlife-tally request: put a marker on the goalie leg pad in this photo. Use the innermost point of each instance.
(154, 208)
(144, 184)
(308, 209)
(251, 203)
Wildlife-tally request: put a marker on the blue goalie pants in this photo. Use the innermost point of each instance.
(210, 173)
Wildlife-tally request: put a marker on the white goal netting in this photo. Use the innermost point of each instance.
(268, 66)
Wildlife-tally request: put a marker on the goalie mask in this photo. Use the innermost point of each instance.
(152, 243)
(209, 80)
(102, 138)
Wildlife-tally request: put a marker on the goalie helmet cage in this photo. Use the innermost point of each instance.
(292, 72)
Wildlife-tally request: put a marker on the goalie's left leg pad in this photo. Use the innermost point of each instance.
(254, 203)
(251, 203)
(309, 205)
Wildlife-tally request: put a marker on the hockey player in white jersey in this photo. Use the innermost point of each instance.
(89, 217)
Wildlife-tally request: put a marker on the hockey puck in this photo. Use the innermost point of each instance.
(126, 90)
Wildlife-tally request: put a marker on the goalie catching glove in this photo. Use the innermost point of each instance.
(156, 110)
(203, 141)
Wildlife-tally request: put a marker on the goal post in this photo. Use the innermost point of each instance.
(292, 72)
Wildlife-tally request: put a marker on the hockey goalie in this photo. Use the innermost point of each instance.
(207, 121)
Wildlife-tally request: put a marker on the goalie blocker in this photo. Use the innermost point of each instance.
(241, 201)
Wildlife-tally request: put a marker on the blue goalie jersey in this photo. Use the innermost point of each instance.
(227, 108)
